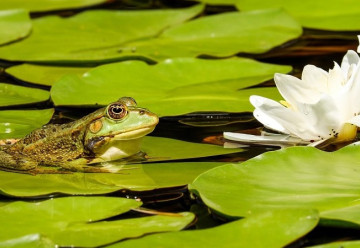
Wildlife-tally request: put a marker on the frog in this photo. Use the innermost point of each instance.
(110, 133)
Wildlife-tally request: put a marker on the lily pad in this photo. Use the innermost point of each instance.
(138, 177)
(165, 88)
(340, 244)
(44, 75)
(207, 35)
(294, 177)
(15, 24)
(31, 240)
(92, 34)
(267, 229)
(328, 15)
(46, 5)
(18, 123)
(79, 220)
(16, 95)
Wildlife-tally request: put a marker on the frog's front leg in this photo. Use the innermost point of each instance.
(81, 165)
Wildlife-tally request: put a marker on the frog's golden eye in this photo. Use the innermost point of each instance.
(117, 111)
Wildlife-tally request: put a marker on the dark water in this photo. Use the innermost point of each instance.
(315, 47)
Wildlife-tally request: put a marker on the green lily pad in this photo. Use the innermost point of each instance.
(294, 177)
(46, 5)
(18, 123)
(31, 240)
(267, 229)
(44, 75)
(328, 15)
(92, 34)
(208, 36)
(165, 89)
(15, 24)
(139, 177)
(75, 221)
(16, 95)
(340, 244)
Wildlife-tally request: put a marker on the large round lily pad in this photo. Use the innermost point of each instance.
(267, 229)
(207, 85)
(221, 35)
(92, 34)
(293, 177)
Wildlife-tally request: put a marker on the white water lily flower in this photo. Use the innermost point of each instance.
(319, 106)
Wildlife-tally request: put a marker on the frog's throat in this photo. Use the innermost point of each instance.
(133, 134)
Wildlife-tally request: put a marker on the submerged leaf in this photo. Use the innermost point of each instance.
(15, 24)
(267, 229)
(293, 177)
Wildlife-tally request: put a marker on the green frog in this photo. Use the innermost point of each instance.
(110, 133)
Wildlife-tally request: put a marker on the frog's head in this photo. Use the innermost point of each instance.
(116, 132)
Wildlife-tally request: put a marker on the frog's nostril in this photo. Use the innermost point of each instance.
(141, 112)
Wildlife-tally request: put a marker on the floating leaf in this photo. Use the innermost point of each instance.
(44, 75)
(46, 5)
(293, 177)
(14, 25)
(267, 229)
(18, 123)
(165, 88)
(328, 15)
(16, 95)
(340, 244)
(31, 240)
(138, 178)
(254, 32)
(75, 221)
(92, 34)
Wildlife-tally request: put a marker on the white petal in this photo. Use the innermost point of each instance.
(282, 139)
(315, 77)
(355, 121)
(275, 116)
(336, 79)
(293, 89)
(351, 57)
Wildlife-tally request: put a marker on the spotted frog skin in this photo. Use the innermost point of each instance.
(110, 133)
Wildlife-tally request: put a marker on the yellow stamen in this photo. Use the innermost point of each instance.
(285, 104)
(347, 133)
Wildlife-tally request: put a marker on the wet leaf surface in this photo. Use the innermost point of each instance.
(16, 95)
(208, 85)
(79, 219)
(267, 229)
(18, 123)
(15, 24)
(328, 182)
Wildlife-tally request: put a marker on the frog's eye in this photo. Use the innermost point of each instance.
(117, 111)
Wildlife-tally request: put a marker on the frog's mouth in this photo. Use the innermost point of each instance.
(133, 134)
